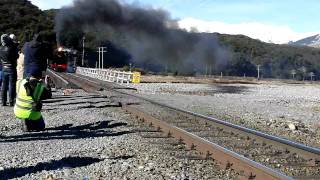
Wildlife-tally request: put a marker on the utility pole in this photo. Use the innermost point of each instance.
(82, 62)
(166, 68)
(99, 51)
(258, 66)
(206, 71)
(293, 72)
(102, 52)
(312, 75)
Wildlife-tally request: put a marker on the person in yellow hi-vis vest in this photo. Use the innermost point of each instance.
(28, 105)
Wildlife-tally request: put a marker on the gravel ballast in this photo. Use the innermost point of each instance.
(89, 137)
(288, 110)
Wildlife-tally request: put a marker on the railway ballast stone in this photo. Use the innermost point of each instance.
(88, 137)
(267, 107)
(292, 127)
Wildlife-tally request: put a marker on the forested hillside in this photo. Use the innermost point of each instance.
(244, 54)
(24, 19)
(276, 61)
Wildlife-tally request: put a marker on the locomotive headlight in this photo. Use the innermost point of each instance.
(60, 49)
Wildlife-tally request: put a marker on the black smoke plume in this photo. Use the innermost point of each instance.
(149, 35)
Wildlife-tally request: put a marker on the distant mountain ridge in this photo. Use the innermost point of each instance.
(312, 41)
(243, 53)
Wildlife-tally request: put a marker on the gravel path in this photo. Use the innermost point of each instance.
(89, 137)
(290, 111)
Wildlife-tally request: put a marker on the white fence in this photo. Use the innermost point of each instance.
(108, 75)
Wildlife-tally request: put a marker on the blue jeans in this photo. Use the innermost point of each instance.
(9, 79)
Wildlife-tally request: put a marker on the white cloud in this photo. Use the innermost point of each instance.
(49, 4)
(39, 3)
(263, 32)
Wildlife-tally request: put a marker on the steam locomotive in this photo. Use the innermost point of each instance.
(64, 60)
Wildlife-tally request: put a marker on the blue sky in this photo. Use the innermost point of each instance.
(298, 14)
(298, 17)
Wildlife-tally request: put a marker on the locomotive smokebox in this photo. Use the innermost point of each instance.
(64, 60)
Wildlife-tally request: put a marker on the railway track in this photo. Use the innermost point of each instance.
(253, 154)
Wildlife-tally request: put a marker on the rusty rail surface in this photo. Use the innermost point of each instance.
(86, 85)
(247, 167)
(59, 81)
(224, 157)
(310, 153)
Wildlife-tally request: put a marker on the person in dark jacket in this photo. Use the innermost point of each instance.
(8, 57)
(36, 55)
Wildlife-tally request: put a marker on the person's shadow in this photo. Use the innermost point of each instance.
(68, 131)
(67, 162)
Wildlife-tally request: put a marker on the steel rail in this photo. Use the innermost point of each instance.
(224, 157)
(252, 169)
(57, 79)
(309, 153)
(87, 85)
